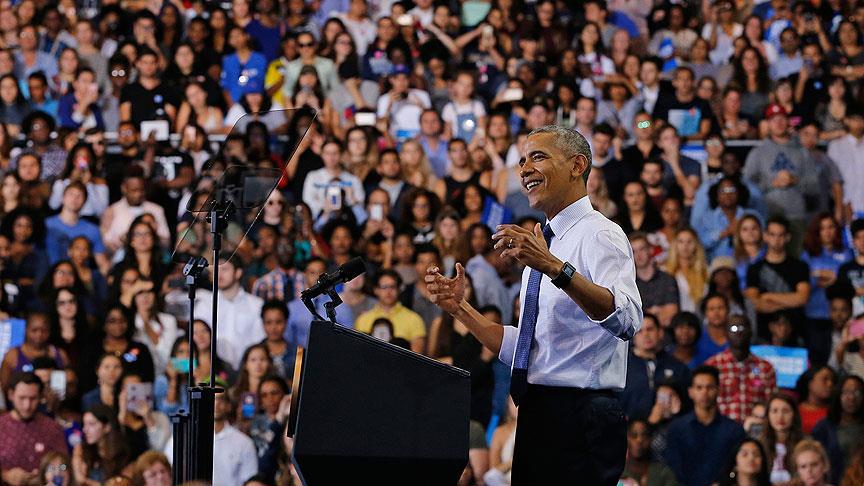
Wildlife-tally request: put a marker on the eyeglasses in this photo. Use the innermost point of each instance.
(118, 73)
(305, 44)
(56, 468)
(388, 287)
(141, 234)
(728, 190)
(736, 328)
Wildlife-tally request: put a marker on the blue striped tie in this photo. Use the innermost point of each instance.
(519, 379)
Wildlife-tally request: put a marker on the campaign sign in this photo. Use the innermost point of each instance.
(788, 363)
(11, 334)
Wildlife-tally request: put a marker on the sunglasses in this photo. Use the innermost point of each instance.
(310, 44)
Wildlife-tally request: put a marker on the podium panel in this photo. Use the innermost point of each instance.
(366, 411)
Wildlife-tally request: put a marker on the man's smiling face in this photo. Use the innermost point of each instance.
(547, 173)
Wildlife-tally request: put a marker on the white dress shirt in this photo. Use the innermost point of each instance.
(569, 348)
(234, 456)
(239, 326)
(848, 153)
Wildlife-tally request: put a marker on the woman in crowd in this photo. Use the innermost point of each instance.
(748, 245)
(37, 344)
(361, 155)
(109, 370)
(13, 106)
(733, 124)
(749, 466)
(70, 328)
(449, 240)
(55, 469)
(10, 193)
(751, 76)
(27, 263)
(501, 449)
(152, 469)
(449, 339)
(418, 209)
(415, 166)
(830, 113)
(81, 166)
(143, 427)
(169, 388)
(255, 365)
(686, 330)
(153, 327)
(598, 193)
(197, 109)
(103, 453)
(470, 204)
(841, 430)
(780, 435)
(687, 264)
(637, 214)
(116, 337)
(201, 336)
(641, 467)
(815, 388)
(672, 216)
(716, 228)
(143, 252)
(81, 257)
(811, 464)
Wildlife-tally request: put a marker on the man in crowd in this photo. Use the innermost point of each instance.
(119, 216)
(700, 443)
(299, 317)
(407, 324)
(848, 153)
(234, 457)
(320, 183)
(658, 289)
(745, 379)
(239, 324)
(66, 226)
(25, 433)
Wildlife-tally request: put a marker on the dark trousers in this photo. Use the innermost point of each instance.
(818, 335)
(569, 436)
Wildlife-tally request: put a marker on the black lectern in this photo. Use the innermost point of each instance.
(368, 412)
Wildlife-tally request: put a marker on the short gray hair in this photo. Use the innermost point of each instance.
(569, 141)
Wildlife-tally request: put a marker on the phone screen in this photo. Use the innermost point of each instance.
(856, 328)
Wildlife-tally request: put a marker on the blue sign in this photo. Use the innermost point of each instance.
(11, 334)
(495, 213)
(788, 363)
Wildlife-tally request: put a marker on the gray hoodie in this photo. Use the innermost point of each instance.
(767, 160)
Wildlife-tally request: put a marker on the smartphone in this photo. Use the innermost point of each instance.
(756, 429)
(334, 197)
(382, 332)
(138, 397)
(488, 31)
(856, 328)
(376, 212)
(512, 94)
(181, 365)
(364, 119)
(58, 383)
(248, 405)
(82, 163)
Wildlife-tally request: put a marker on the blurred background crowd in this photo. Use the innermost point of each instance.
(727, 141)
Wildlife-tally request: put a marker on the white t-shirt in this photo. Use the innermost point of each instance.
(405, 113)
(363, 31)
(451, 111)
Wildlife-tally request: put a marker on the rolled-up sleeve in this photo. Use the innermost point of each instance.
(508, 345)
(611, 266)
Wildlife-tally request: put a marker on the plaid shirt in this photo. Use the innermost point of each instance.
(743, 384)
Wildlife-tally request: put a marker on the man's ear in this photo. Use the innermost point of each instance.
(580, 165)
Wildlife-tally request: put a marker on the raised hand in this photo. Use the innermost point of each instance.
(446, 293)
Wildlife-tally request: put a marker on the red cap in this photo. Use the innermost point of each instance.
(773, 110)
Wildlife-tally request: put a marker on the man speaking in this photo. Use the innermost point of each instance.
(580, 305)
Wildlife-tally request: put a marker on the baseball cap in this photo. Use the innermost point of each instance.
(773, 110)
(400, 69)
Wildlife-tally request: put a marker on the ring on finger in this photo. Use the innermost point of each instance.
(510, 244)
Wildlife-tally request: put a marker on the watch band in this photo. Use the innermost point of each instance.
(564, 277)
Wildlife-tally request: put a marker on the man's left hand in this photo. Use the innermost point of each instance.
(529, 248)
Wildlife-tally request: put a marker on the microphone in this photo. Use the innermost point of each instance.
(344, 273)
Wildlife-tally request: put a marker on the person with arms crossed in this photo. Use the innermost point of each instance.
(580, 305)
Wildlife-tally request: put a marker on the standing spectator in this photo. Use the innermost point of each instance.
(848, 153)
(117, 219)
(779, 437)
(64, 227)
(830, 177)
(688, 265)
(147, 98)
(234, 456)
(25, 433)
(407, 324)
(319, 183)
(658, 289)
(38, 126)
(79, 109)
(784, 173)
(299, 317)
(325, 67)
(240, 312)
(745, 379)
(815, 388)
(685, 111)
(779, 282)
(700, 442)
(81, 165)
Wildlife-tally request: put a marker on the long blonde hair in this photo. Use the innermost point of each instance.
(696, 274)
(809, 445)
(739, 251)
(421, 175)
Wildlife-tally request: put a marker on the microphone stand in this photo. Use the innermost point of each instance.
(330, 307)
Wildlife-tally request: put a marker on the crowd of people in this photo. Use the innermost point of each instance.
(727, 139)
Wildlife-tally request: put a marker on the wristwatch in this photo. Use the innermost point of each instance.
(564, 277)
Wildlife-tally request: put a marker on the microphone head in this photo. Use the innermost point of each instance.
(356, 266)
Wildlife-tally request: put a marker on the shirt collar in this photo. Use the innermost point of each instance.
(569, 216)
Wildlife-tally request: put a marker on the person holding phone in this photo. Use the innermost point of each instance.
(79, 109)
(598, 315)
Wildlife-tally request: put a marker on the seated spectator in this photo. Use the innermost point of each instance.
(486, 268)
(103, 452)
(24, 430)
(198, 110)
(501, 449)
(781, 434)
(81, 257)
(81, 166)
(55, 468)
(142, 252)
(299, 317)
(407, 324)
(37, 334)
(714, 339)
(62, 228)
(274, 317)
(745, 379)
(255, 364)
(700, 442)
(40, 96)
(419, 207)
(648, 366)
(268, 424)
(14, 108)
(234, 457)
(170, 388)
(148, 98)
(690, 115)
(839, 431)
(143, 427)
(117, 219)
(201, 336)
(70, 327)
(688, 265)
(659, 291)
(416, 296)
(330, 188)
(637, 213)
(811, 464)
(728, 200)
(815, 389)
(388, 176)
(749, 466)
(400, 108)
(640, 467)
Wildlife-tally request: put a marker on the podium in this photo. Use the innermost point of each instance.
(367, 412)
